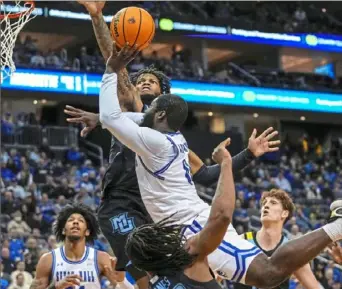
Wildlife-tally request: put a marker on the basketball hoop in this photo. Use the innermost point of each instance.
(12, 19)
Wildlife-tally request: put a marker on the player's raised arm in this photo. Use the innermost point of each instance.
(257, 146)
(126, 90)
(221, 210)
(142, 140)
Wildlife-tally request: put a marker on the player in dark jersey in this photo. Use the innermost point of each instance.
(277, 208)
(122, 209)
(175, 262)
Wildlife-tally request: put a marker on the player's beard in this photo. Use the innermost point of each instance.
(148, 120)
(73, 238)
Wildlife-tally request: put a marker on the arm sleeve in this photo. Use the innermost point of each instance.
(208, 175)
(137, 117)
(144, 141)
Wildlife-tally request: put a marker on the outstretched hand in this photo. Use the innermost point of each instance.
(118, 61)
(94, 7)
(263, 144)
(88, 119)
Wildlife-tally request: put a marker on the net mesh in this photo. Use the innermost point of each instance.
(14, 15)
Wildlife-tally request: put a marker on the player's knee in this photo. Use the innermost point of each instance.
(269, 276)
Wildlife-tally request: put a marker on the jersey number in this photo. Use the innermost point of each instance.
(186, 168)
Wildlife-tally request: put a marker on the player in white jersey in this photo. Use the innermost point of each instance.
(167, 189)
(75, 264)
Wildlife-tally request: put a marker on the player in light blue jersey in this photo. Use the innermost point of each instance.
(75, 264)
(167, 189)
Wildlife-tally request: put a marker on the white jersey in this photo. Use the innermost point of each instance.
(166, 185)
(86, 268)
(162, 169)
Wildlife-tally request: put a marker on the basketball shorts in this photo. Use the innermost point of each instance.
(234, 255)
(117, 219)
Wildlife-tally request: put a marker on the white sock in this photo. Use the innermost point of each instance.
(125, 284)
(334, 230)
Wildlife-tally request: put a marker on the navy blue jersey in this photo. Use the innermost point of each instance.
(179, 280)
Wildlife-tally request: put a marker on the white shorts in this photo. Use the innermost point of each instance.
(234, 255)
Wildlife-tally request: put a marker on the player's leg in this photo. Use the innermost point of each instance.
(232, 258)
(294, 254)
(116, 223)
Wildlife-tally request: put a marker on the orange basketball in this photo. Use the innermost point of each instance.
(133, 25)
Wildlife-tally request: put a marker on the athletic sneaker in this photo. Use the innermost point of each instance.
(336, 210)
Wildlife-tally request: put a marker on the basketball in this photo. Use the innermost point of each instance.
(133, 25)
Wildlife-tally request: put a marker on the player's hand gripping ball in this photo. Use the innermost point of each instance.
(132, 25)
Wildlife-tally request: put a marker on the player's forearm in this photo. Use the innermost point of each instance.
(224, 200)
(105, 42)
(306, 277)
(208, 175)
(122, 127)
(102, 34)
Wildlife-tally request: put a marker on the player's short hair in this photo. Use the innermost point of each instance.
(83, 210)
(176, 109)
(164, 81)
(284, 199)
(158, 248)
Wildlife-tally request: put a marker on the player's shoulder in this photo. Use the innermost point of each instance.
(46, 263)
(101, 254)
(47, 256)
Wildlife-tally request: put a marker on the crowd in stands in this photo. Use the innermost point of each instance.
(36, 185)
(293, 16)
(179, 66)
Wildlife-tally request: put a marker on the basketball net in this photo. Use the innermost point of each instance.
(13, 16)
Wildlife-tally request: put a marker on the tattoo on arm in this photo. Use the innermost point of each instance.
(102, 33)
(105, 42)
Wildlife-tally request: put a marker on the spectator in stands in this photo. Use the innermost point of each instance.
(85, 59)
(52, 242)
(8, 265)
(52, 60)
(5, 278)
(25, 177)
(86, 183)
(295, 233)
(74, 155)
(6, 173)
(21, 271)
(283, 183)
(7, 125)
(84, 197)
(8, 204)
(48, 211)
(300, 15)
(240, 216)
(33, 251)
(20, 282)
(19, 225)
(37, 60)
(45, 147)
(61, 203)
(50, 186)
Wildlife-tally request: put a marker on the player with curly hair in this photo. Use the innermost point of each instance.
(75, 263)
